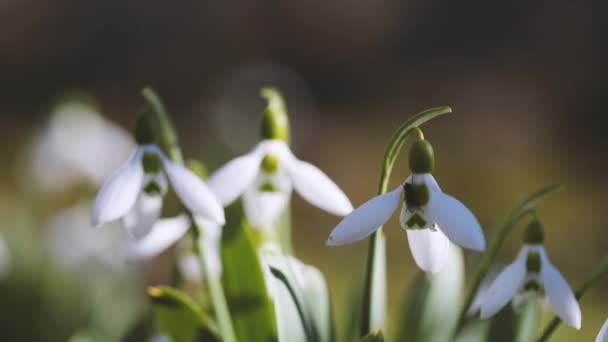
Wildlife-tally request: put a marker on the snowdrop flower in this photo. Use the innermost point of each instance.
(430, 217)
(134, 192)
(603, 335)
(532, 276)
(266, 176)
(76, 144)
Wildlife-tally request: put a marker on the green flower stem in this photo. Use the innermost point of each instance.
(167, 138)
(600, 271)
(165, 134)
(526, 207)
(372, 317)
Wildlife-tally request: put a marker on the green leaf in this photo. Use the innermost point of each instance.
(300, 294)
(179, 317)
(250, 307)
(433, 302)
(528, 319)
(374, 336)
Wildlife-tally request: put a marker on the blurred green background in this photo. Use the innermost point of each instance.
(526, 81)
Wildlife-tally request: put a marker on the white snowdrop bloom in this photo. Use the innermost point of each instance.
(77, 144)
(266, 176)
(134, 192)
(603, 335)
(532, 275)
(483, 288)
(430, 217)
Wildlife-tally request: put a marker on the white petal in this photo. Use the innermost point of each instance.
(263, 208)
(505, 286)
(456, 221)
(231, 180)
(315, 187)
(144, 214)
(212, 240)
(365, 219)
(429, 248)
(559, 295)
(603, 335)
(164, 234)
(193, 192)
(119, 192)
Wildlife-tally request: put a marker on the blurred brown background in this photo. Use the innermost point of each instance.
(526, 80)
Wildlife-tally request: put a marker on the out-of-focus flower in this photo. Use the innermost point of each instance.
(134, 192)
(483, 288)
(73, 243)
(603, 335)
(266, 176)
(430, 217)
(532, 275)
(77, 144)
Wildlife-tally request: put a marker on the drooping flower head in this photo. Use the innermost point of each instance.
(266, 176)
(430, 217)
(532, 276)
(135, 191)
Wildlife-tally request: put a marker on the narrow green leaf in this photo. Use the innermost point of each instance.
(250, 307)
(433, 302)
(528, 319)
(179, 317)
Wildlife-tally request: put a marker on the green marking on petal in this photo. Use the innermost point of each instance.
(270, 164)
(151, 162)
(416, 221)
(268, 187)
(533, 286)
(416, 195)
(533, 264)
(153, 189)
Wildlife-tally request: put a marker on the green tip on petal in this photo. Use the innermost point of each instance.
(535, 233)
(533, 263)
(275, 122)
(198, 168)
(422, 158)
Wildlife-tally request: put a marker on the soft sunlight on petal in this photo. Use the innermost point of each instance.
(318, 189)
(165, 233)
(193, 192)
(505, 286)
(144, 214)
(603, 335)
(456, 221)
(231, 180)
(364, 220)
(263, 208)
(120, 192)
(559, 294)
(429, 248)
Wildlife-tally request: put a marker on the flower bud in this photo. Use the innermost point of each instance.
(275, 123)
(535, 233)
(421, 158)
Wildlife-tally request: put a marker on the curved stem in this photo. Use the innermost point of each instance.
(376, 255)
(526, 207)
(167, 138)
(600, 271)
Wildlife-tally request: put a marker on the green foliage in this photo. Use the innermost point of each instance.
(431, 306)
(243, 279)
(179, 317)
